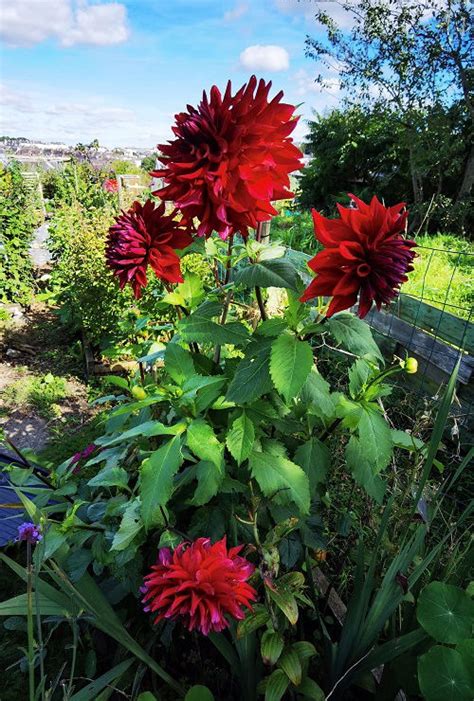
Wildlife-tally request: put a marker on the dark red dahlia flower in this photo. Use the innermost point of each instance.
(230, 159)
(144, 236)
(200, 582)
(365, 256)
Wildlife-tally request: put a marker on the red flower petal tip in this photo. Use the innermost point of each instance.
(230, 159)
(365, 256)
(204, 584)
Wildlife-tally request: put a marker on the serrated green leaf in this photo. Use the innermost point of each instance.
(446, 612)
(252, 376)
(146, 429)
(277, 272)
(204, 443)
(110, 477)
(363, 471)
(209, 477)
(130, 526)
(354, 335)
(240, 438)
(316, 394)
(200, 327)
(291, 361)
(156, 479)
(375, 436)
(178, 363)
(314, 457)
(271, 327)
(280, 479)
(359, 373)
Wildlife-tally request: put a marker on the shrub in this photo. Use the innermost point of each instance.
(17, 223)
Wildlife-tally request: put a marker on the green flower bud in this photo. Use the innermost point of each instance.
(411, 366)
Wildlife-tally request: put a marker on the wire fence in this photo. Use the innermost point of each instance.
(432, 319)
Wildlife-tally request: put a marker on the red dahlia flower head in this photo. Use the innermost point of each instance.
(230, 159)
(144, 236)
(365, 256)
(200, 583)
(110, 185)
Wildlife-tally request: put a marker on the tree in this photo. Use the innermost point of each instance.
(405, 56)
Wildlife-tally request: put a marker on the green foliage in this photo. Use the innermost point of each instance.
(17, 222)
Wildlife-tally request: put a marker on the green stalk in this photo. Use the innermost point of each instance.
(29, 624)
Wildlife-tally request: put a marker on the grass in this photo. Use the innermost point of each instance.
(41, 393)
(443, 274)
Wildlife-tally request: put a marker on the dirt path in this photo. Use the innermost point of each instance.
(34, 346)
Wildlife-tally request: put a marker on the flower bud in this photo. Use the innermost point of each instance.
(411, 366)
(138, 393)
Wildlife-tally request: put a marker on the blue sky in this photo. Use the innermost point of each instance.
(74, 70)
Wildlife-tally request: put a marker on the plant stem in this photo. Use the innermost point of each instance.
(29, 624)
(74, 657)
(261, 306)
(39, 634)
(228, 297)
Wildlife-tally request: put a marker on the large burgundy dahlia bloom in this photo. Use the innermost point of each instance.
(144, 236)
(365, 256)
(230, 159)
(200, 583)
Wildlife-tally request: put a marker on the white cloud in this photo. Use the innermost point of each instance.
(29, 22)
(239, 11)
(36, 113)
(305, 84)
(309, 8)
(265, 58)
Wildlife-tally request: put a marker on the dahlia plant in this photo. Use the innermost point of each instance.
(208, 497)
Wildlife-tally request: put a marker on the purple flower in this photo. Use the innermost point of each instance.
(82, 455)
(29, 533)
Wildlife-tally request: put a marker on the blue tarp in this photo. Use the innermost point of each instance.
(12, 513)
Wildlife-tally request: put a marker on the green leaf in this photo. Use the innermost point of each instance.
(199, 327)
(178, 363)
(280, 479)
(203, 442)
(91, 691)
(147, 696)
(17, 606)
(110, 477)
(271, 646)
(316, 394)
(146, 429)
(284, 599)
(310, 690)
(277, 684)
(363, 471)
(446, 612)
(271, 327)
(277, 272)
(291, 665)
(305, 650)
(209, 477)
(359, 373)
(240, 438)
(252, 376)
(156, 479)
(252, 621)
(199, 693)
(130, 526)
(443, 675)
(402, 439)
(354, 335)
(375, 436)
(314, 457)
(290, 364)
